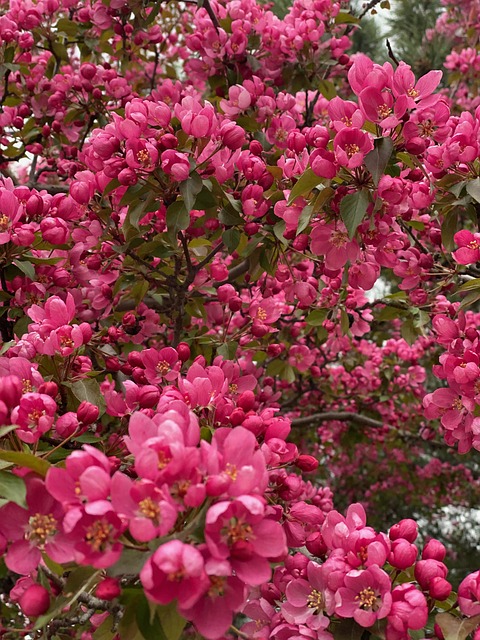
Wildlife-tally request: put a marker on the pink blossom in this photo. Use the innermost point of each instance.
(469, 594)
(366, 596)
(175, 571)
(333, 243)
(469, 243)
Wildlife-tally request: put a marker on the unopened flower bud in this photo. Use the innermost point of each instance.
(108, 589)
(87, 412)
(34, 601)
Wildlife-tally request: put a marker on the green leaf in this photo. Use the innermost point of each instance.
(377, 160)
(88, 390)
(172, 622)
(327, 89)
(470, 285)
(13, 488)
(454, 628)
(231, 238)
(409, 331)
(449, 229)
(306, 182)
(178, 218)
(316, 317)
(189, 189)
(304, 219)
(26, 267)
(353, 209)
(28, 460)
(6, 429)
(228, 350)
(229, 218)
(473, 189)
(148, 621)
(346, 18)
(131, 562)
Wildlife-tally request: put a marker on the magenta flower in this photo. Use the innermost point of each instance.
(309, 599)
(333, 243)
(409, 611)
(238, 531)
(351, 146)
(33, 530)
(212, 614)
(150, 512)
(175, 571)
(34, 416)
(161, 365)
(365, 597)
(469, 251)
(404, 84)
(469, 594)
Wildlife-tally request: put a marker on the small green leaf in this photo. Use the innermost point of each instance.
(473, 189)
(449, 229)
(189, 189)
(454, 628)
(470, 285)
(231, 238)
(172, 622)
(26, 267)
(131, 562)
(409, 331)
(306, 182)
(28, 460)
(13, 488)
(178, 218)
(377, 160)
(353, 208)
(229, 218)
(304, 219)
(316, 317)
(88, 390)
(228, 350)
(327, 89)
(346, 18)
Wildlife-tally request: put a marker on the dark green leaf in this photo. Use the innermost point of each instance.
(228, 350)
(26, 460)
(13, 488)
(178, 218)
(172, 622)
(229, 218)
(304, 219)
(189, 189)
(316, 317)
(26, 267)
(231, 238)
(306, 182)
(377, 160)
(327, 89)
(353, 209)
(131, 561)
(473, 189)
(88, 390)
(346, 18)
(449, 229)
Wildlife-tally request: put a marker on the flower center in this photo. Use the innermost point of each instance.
(144, 157)
(4, 222)
(237, 530)
(26, 386)
(473, 245)
(384, 111)
(99, 535)
(35, 415)
(41, 527)
(315, 600)
(163, 460)
(367, 598)
(412, 93)
(149, 509)
(217, 586)
(163, 367)
(457, 404)
(351, 149)
(339, 239)
(261, 314)
(231, 471)
(233, 388)
(65, 341)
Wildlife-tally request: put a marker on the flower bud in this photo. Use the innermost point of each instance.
(246, 401)
(49, 389)
(87, 413)
(11, 390)
(306, 463)
(67, 424)
(403, 554)
(108, 589)
(407, 529)
(434, 550)
(440, 588)
(427, 570)
(34, 601)
(148, 396)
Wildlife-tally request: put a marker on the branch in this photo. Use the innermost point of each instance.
(344, 416)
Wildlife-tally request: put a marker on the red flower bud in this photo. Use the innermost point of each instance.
(87, 412)
(440, 588)
(434, 550)
(306, 463)
(407, 529)
(49, 389)
(108, 589)
(183, 351)
(246, 400)
(35, 600)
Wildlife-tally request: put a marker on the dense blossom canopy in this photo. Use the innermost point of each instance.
(238, 270)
